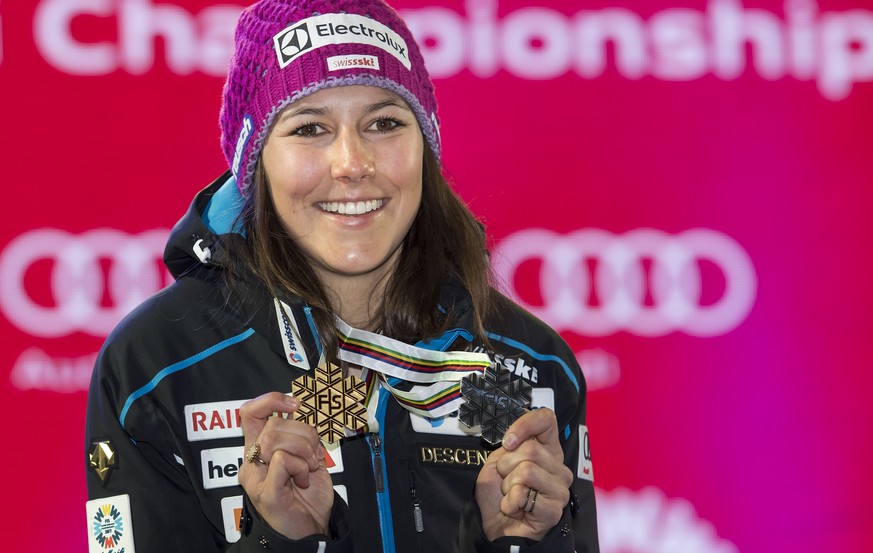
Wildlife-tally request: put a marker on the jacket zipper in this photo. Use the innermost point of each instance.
(416, 506)
(383, 500)
(376, 443)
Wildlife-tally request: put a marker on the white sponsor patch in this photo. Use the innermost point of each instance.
(585, 470)
(231, 513)
(220, 466)
(336, 63)
(209, 421)
(242, 141)
(343, 492)
(110, 527)
(291, 341)
(451, 426)
(337, 28)
(333, 457)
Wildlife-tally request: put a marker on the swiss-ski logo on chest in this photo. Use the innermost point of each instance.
(515, 364)
(291, 341)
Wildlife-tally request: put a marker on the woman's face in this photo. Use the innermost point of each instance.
(344, 168)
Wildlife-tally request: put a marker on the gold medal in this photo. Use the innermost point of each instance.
(330, 402)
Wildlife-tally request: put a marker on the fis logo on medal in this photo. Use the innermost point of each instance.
(110, 525)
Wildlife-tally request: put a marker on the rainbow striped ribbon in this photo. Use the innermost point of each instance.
(437, 374)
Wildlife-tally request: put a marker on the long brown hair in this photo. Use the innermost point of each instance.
(445, 241)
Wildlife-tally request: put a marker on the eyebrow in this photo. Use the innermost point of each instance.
(314, 110)
(388, 103)
(303, 110)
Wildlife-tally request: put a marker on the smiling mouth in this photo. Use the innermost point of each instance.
(351, 208)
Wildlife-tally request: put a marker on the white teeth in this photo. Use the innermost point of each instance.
(351, 208)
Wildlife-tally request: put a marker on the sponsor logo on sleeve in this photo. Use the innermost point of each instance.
(210, 421)
(220, 466)
(110, 525)
(585, 471)
(334, 28)
(451, 426)
(231, 514)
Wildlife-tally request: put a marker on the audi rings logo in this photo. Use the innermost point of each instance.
(597, 283)
(84, 296)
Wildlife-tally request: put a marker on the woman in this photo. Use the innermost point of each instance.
(332, 253)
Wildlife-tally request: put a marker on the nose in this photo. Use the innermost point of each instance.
(352, 158)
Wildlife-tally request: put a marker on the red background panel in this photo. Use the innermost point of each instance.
(624, 183)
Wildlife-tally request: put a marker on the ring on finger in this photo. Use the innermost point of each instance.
(254, 454)
(530, 500)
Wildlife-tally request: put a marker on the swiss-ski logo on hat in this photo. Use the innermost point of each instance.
(337, 28)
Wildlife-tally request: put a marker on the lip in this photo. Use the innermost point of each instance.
(351, 208)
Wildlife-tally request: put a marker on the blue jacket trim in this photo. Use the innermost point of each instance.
(383, 500)
(443, 342)
(175, 367)
(313, 329)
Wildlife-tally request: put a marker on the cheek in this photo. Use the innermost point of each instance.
(407, 169)
(291, 182)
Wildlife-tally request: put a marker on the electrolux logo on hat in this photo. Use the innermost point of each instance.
(334, 28)
(292, 42)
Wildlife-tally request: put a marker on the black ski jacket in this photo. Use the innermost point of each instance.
(164, 443)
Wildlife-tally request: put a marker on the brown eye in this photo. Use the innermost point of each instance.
(386, 124)
(307, 131)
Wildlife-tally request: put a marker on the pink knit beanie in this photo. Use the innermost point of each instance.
(288, 49)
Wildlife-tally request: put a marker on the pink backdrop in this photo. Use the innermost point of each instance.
(681, 187)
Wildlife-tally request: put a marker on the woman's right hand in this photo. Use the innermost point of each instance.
(292, 491)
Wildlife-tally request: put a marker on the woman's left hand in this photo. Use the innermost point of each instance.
(524, 485)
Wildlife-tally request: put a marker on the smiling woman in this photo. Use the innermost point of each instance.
(343, 169)
(334, 260)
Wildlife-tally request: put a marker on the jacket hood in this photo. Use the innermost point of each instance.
(210, 223)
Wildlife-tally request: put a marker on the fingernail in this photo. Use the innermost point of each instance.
(510, 441)
(292, 402)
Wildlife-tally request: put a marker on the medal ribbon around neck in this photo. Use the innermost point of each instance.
(437, 374)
